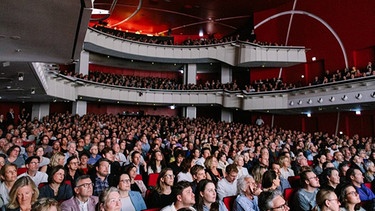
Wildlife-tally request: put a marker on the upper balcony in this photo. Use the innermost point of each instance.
(235, 53)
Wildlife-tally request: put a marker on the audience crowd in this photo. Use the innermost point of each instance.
(116, 162)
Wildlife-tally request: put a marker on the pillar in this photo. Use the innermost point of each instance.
(83, 63)
(226, 74)
(39, 110)
(226, 115)
(79, 107)
(190, 74)
(190, 112)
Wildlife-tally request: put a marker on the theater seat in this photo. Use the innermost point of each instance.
(152, 179)
(288, 194)
(21, 171)
(294, 181)
(229, 201)
(369, 185)
(138, 177)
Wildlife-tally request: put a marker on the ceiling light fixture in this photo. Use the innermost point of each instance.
(358, 96)
(344, 98)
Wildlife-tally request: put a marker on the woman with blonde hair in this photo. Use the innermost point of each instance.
(212, 172)
(285, 169)
(23, 195)
(56, 160)
(46, 204)
(109, 200)
(8, 177)
(326, 200)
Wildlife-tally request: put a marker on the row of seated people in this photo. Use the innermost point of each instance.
(64, 135)
(168, 40)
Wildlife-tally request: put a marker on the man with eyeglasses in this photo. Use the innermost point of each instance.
(272, 200)
(83, 199)
(355, 177)
(305, 198)
(32, 165)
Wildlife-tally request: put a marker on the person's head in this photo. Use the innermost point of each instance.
(46, 204)
(270, 180)
(136, 157)
(23, 191)
(72, 163)
(186, 164)
(309, 179)
(211, 162)
(83, 187)
(205, 193)
(369, 166)
(57, 175)
(198, 173)
(272, 200)
(239, 160)
(246, 185)
(258, 172)
(205, 152)
(131, 170)
(109, 200)
(9, 172)
(124, 182)
(339, 157)
(284, 161)
(232, 172)
(184, 194)
(57, 159)
(327, 200)
(14, 151)
(94, 149)
(32, 163)
(102, 167)
(84, 158)
(165, 179)
(2, 160)
(108, 154)
(348, 195)
(355, 176)
(264, 160)
(343, 168)
(72, 147)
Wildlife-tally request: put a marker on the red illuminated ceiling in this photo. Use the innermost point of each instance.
(183, 17)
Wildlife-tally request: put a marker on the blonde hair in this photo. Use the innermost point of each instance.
(55, 159)
(45, 204)
(22, 182)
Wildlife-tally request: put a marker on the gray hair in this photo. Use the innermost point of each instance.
(266, 198)
(242, 184)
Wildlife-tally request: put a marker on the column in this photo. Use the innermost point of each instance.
(226, 115)
(39, 110)
(79, 107)
(83, 63)
(226, 74)
(190, 112)
(190, 74)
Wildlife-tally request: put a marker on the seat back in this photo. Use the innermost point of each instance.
(288, 194)
(152, 179)
(21, 171)
(229, 201)
(152, 209)
(294, 181)
(138, 177)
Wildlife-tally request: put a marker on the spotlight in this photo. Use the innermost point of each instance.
(320, 100)
(309, 101)
(32, 91)
(299, 102)
(358, 96)
(291, 103)
(373, 95)
(344, 98)
(20, 76)
(332, 99)
(357, 112)
(308, 114)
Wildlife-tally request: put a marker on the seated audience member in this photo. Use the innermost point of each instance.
(138, 161)
(257, 173)
(212, 172)
(109, 200)
(339, 158)
(349, 198)
(162, 195)
(72, 151)
(228, 185)
(29, 150)
(222, 157)
(56, 188)
(370, 171)
(72, 172)
(239, 160)
(119, 156)
(94, 156)
(185, 197)
(13, 156)
(357, 161)
(270, 181)
(8, 176)
(355, 177)
(114, 168)
(198, 173)
(319, 160)
(56, 160)
(29, 193)
(329, 179)
(2, 160)
(157, 162)
(32, 165)
(83, 199)
(43, 161)
(327, 200)
(46, 204)
(185, 174)
(179, 156)
(272, 201)
(301, 164)
(343, 168)
(285, 169)
(305, 198)
(205, 152)
(130, 200)
(284, 183)
(205, 197)
(102, 179)
(135, 185)
(83, 159)
(247, 200)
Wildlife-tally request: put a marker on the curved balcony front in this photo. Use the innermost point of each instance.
(232, 53)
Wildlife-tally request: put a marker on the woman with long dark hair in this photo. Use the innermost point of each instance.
(205, 197)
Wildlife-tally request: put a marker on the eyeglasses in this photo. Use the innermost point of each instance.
(86, 185)
(282, 207)
(352, 193)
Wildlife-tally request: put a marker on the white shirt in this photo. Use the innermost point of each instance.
(4, 192)
(82, 205)
(224, 188)
(40, 177)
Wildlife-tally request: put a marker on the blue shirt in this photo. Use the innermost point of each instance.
(365, 193)
(100, 185)
(243, 203)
